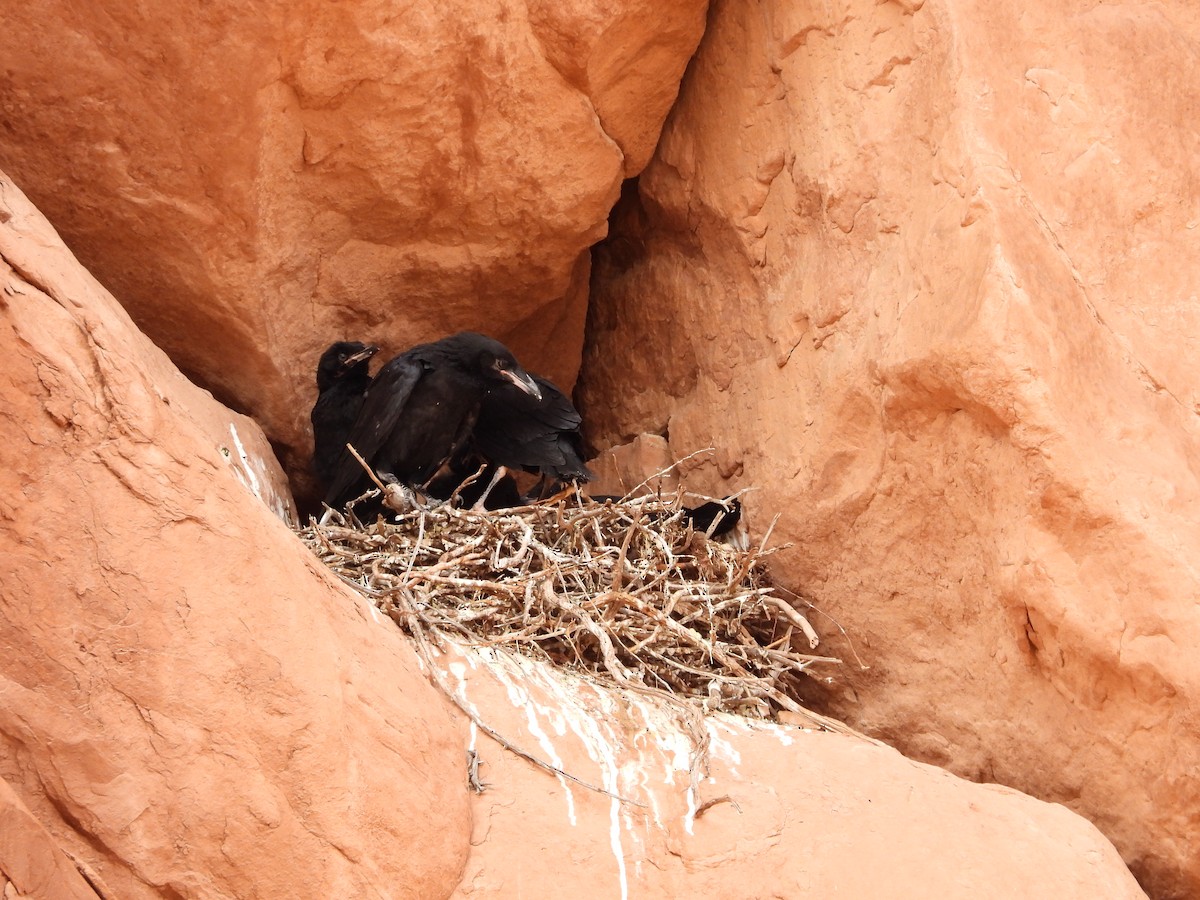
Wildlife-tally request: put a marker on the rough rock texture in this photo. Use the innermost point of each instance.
(194, 707)
(783, 812)
(925, 273)
(256, 182)
(191, 706)
(624, 468)
(31, 864)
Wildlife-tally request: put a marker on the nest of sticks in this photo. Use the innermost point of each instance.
(623, 591)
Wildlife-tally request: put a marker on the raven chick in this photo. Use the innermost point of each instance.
(518, 431)
(537, 434)
(342, 381)
(421, 408)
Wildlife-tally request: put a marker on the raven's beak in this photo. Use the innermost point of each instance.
(364, 354)
(523, 381)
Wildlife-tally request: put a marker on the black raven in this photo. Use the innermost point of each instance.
(420, 410)
(537, 434)
(342, 380)
(518, 431)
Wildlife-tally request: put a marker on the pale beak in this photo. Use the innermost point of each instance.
(355, 359)
(523, 382)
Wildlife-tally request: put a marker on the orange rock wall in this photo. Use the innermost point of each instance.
(925, 274)
(254, 183)
(192, 706)
(31, 864)
(922, 272)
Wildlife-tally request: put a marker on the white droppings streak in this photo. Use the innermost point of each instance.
(610, 727)
(459, 671)
(497, 665)
(571, 711)
(602, 751)
(250, 478)
(520, 698)
(689, 818)
(375, 614)
(641, 773)
(735, 725)
(721, 748)
(244, 470)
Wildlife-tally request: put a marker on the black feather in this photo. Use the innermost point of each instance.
(419, 411)
(518, 430)
(342, 379)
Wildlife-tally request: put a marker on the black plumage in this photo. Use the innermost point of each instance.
(342, 381)
(420, 410)
(516, 430)
(537, 434)
(722, 516)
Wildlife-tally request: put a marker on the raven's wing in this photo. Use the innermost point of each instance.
(563, 448)
(333, 415)
(555, 408)
(517, 430)
(381, 412)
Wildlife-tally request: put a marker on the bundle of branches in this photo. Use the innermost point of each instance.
(625, 591)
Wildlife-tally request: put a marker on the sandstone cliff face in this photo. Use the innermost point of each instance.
(256, 182)
(31, 864)
(925, 274)
(192, 706)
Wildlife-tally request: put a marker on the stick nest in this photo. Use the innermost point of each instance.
(624, 591)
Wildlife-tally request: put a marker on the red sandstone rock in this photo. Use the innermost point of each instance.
(194, 707)
(256, 182)
(915, 204)
(621, 469)
(191, 706)
(925, 273)
(30, 861)
(781, 812)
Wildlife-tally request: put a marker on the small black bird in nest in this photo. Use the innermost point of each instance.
(342, 382)
(539, 435)
(722, 516)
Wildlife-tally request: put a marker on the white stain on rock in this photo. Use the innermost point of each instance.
(641, 750)
(252, 472)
